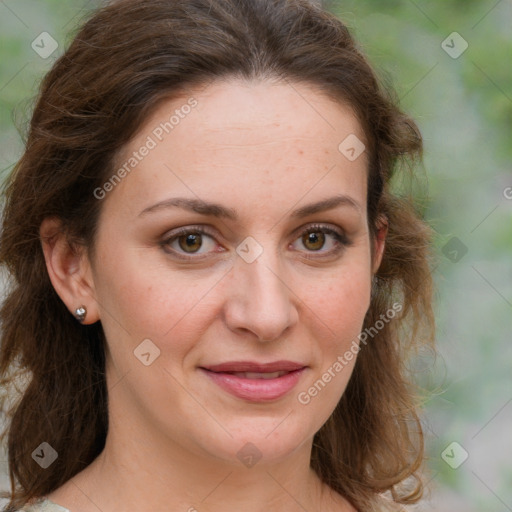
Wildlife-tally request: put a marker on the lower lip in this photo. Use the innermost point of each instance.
(256, 390)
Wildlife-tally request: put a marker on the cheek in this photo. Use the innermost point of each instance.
(342, 301)
(142, 298)
(337, 319)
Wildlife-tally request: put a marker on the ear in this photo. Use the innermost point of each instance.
(379, 243)
(69, 269)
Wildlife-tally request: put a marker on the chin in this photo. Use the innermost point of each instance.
(262, 441)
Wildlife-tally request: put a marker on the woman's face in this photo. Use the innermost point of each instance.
(243, 271)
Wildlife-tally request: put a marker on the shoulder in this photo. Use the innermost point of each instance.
(43, 505)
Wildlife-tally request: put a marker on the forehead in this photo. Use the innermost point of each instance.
(239, 139)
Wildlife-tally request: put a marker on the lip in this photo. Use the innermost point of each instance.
(251, 366)
(255, 390)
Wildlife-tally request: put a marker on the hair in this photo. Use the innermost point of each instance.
(124, 61)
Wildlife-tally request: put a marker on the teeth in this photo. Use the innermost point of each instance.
(255, 375)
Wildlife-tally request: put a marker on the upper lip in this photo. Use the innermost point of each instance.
(249, 366)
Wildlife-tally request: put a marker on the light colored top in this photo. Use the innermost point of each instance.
(43, 505)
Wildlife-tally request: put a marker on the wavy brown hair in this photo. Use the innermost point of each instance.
(129, 57)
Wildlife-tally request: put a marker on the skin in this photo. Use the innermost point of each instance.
(262, 149)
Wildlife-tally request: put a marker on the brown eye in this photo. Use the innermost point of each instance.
(313, 240)
(322, 241)
(191, 242)
(194, 241)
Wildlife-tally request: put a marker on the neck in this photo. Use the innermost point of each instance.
(134, 474)
(188, 482)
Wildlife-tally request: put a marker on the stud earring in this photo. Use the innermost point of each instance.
(80, 313)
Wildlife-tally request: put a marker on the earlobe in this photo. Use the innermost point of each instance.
(69, 271)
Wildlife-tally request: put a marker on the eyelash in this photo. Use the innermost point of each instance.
(340, 238)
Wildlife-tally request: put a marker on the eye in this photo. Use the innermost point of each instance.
(316, 237)
(186, 243)
(189, 241)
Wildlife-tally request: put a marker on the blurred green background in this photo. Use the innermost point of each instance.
(449, 62)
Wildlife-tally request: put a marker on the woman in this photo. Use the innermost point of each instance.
(212, 275)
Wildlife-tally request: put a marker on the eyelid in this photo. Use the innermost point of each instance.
(199, 228)
(318, 225)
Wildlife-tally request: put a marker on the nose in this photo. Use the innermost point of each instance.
(260, 300)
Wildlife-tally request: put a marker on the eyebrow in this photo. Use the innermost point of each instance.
(220, 211)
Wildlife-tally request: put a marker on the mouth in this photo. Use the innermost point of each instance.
(256, 382)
